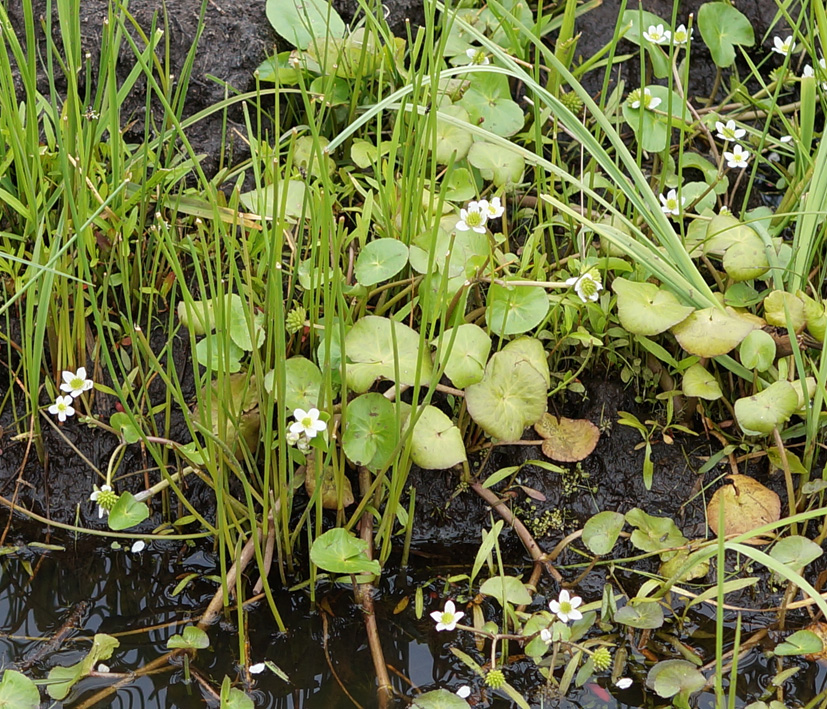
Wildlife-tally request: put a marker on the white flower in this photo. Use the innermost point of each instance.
(473, 217)
(106, 493)
(670, 204)
(624, 683)
(681, 36)
(76, 383)
(447, 618)
(586, 286)
(464, 692)
(728, 130)
(565, 607)
(258, 668)
(783, 47)
(307, 423)
(62, 408)
(492, 209)
(292, 438)
(737, 158)
(138, 546)
(477, 56)
(785, 139)
(808, 72)
(650, 103)
(657, 35)
(545, 636)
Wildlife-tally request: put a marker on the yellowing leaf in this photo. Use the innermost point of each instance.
(567, 440)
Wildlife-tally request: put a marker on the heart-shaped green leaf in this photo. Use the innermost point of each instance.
(371, 433)
(339, 552)
(304, 22)
(452, 141)
(515, 309)
(506, 589)
(698, 382)
(503, 166)
(127, 512)
(511, 396)
(646, 309)
(671, 677)
(602, 530)
(647, 615)
(722, 27)
(192, 638)
(796, 552)
(436, 443)
(489, 104)
(18, 692)
(380, 260)
(711, 332)
(761, 413)
(439, 699)
(757, 350)
(465, 360)
(801, 642)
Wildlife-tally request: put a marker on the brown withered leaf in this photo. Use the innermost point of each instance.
(747, 505)
(567, 440)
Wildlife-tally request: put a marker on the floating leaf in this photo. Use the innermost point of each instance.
(192, 638)
(339, 552)
(436, 443)
(722, 27)
(304, 22)
(671, 677)
(699, 382)
(796, 552)
(127, 512)
(820, 630)
(653, 533)
(761, 413)
(513, 310)
(380, 260)
(234, 698)
(371, 432)
(439, 699)
(747, 505)
(19, 692)
(506, 589)
(646, 615)
(62, 679)
(757, 350)
(802, 642)
(601, 531)
(377, 347)
(712, 332)
(510, 397)
(467, 357)
(567, 440)
(646, 309)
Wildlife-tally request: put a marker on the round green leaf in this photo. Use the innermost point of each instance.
(762, 412)
(515, 309)
(303, 382)
(371, 432)
(653, 533)
(436, 443)
(192, 638)
(802, 642)
(757, 350)
(127, 512)
(647, 615)
(304, 22)
(722, 27)
(489, 104)
(671, 677)
(210, 353)
(646, 309)
(439, 699)
(236, 699)
(452, 141)
(465, 360)
(747, 259)
(511, 396)
(339, 552)
(380, 260)
(796, 552)
(699, 191)
(698, 382)
(711, 332)
(506, 589)
(779, 304)
(378, 347)
(532, 351)
(19, 692)
(601, 531)
(459, 186)
(504, 167)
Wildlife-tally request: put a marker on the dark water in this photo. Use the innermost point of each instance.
(131, 596)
